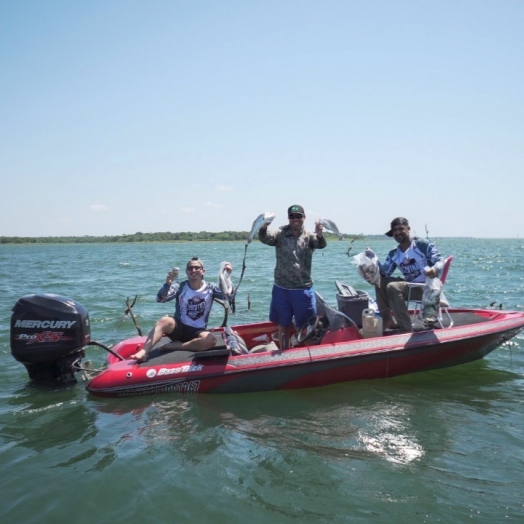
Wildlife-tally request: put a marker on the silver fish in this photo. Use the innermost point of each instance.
(431, 297)
(264, 218)
(368, 267)
(224, 280)
(330, 226)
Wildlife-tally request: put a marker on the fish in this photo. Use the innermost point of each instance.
(224, 280)
(431, 298)
(330, 226)
(261, 220)
(368, 267)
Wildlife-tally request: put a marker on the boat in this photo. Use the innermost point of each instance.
(49, 335)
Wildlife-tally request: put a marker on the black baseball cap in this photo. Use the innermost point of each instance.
(295, 209)
(399, 221)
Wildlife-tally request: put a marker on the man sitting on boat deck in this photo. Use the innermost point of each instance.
(293, 294)
(188, 327)
(417, 259)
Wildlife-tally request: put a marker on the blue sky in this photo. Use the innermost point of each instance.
(126, 116)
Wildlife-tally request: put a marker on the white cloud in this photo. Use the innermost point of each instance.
(212, 204)
(225, 188)
(97, 207)
(187, 209)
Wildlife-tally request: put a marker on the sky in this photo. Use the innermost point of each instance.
(120, 116)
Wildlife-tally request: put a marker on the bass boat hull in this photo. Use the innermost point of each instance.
(338, 355)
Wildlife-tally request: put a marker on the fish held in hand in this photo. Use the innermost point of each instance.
(431, 298)
(330, 226)
(261, 220)
(224, 279)
(368, 267)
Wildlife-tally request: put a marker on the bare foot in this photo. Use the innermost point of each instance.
(139, 356)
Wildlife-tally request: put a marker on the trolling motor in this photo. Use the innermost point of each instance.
(48, 335)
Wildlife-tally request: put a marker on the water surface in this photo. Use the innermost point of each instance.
(440, 446)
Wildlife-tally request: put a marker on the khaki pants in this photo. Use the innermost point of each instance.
(391, 298)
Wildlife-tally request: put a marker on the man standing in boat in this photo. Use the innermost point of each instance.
(417, 259)
(293, 294)
(188, 327)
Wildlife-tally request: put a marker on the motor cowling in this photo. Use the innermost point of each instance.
(48, 334)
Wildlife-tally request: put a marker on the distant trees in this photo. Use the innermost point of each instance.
(137, 237)
(167, 236)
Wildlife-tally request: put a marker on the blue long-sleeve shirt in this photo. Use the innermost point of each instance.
(411, 263)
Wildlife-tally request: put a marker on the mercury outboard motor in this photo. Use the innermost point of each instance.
(48, 335)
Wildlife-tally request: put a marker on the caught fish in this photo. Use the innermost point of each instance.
(368, 268)
(226, 286)
(330, 227)
(224, 280)
(261, 220)
(431, 298)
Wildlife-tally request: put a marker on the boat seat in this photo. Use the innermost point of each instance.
(220, 348)
(262, 348)
(212, 353)
(443, 304)
(228, 342)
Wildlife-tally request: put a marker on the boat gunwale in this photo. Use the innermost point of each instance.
(344, 349)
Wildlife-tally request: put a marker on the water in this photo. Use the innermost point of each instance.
(441, 446)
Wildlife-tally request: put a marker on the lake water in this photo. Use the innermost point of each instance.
(441, 446)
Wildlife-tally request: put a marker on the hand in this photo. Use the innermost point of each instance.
(172, 275)
(228, 267)
(430, 272)
(319, 228)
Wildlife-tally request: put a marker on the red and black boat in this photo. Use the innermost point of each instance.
(49, 334)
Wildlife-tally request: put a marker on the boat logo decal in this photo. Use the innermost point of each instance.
(45, 336)
(182, 369)
(174, 371)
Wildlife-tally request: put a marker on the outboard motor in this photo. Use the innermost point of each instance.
(48, 334)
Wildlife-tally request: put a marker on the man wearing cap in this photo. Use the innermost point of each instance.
(187, 328)
(293, 294)
(417, 259)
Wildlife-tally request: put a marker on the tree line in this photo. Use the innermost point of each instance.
(167, 236)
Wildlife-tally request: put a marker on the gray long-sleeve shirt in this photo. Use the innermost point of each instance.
(294, 255)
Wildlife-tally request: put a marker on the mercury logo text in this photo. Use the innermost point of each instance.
(45, 324)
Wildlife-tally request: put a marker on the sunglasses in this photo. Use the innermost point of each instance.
(296, 215)
(194, 268)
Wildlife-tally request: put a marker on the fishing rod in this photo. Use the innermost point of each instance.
(359, 237)
(129, 310)
(262, 219)
(226, 311)
(242, 272)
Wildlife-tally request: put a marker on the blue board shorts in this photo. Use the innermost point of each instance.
(289, 303)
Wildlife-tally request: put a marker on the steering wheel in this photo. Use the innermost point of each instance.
(308, 329)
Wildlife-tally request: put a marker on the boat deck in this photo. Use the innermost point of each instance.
(158, 357)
